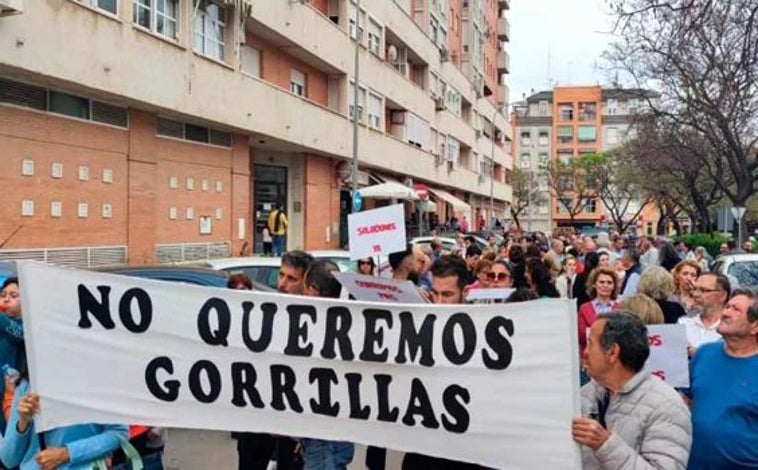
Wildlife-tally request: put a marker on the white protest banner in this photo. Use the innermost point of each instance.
(668, 354)
(377, 232)
(483, 295)
(378, 289)
(495, 385)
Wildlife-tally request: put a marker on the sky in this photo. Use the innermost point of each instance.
(571, 33)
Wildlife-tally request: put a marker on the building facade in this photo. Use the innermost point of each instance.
(565, 123)
(137, 131)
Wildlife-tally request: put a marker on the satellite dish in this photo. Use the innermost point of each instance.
(392, 53)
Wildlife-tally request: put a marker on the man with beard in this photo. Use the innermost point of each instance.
(256, 449)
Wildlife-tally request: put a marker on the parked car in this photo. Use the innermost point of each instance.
(201, 276)
(740, 268)
(448, 244)
(265, 270)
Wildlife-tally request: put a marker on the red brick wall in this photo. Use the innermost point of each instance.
(142, 164)
(276, 65)
(321, 203)
(45, 139)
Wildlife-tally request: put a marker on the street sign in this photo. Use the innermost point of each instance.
(357, 201)
(738, 212)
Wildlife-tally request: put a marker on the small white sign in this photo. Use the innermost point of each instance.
(487, 295)
(738, 212)
(377, 289)
(377, 232)
(668, 354)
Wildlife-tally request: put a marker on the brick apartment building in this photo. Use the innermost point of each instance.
(568, 122)
(137, 131)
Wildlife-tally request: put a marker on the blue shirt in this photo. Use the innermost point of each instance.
(724, 394)
(85, 442)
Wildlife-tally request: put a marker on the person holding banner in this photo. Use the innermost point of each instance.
(78, 446)
(448, 287)
(631, 419)
(12, 355)
(724, 391)
(320, 454)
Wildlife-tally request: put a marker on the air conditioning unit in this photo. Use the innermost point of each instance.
(444, 55)
(439, 104)
(11, 7)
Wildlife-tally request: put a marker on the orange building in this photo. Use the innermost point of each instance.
(565, 123)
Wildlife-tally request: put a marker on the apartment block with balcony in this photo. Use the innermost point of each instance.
(172, 128)
(565, 123)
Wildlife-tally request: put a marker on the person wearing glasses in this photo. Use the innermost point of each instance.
(481, 274)
(711, 292)
(500, 275)
(367, 266)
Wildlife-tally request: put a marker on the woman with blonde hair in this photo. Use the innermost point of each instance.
(567, 279)
(658, 284)
(644, 308)
(481, 272)
(685, 273)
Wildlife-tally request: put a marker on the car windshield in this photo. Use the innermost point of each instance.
(746, 273)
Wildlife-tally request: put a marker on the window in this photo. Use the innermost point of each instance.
(543, 109)
(159, 16)
(192, 132)
(544, 160)
(564, 156)
(374, 111)
(587, 134)
(563, 205)
(251, 61)
(526, 160)
(632, 106)
(526, 138)
(544, 138)
(415, 130)
(69, 105)
(374, 37)
(565, 134)
(590, 206)
(611, 107)
(297, 82)
(453, 150)
(106, 5)
(612, 135)
(453, 100)
(566, 111)
(210, 29)
(356, 31)
(361, 101)
(587, 111)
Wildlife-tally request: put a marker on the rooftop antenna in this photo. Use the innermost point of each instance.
(549, 75)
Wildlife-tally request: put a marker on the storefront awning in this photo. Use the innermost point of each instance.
(389, 190)
(458, 205)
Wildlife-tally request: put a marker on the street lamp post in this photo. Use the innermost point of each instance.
(354, 170)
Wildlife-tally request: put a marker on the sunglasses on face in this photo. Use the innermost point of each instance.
(364, 262)
(497, 276)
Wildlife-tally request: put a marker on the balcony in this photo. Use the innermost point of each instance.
(503, 62)
(503, 94)
(503, 29)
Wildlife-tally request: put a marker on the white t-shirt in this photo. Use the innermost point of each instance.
(697, 333)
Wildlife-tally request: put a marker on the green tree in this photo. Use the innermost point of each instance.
(526, 193)
(573, 182)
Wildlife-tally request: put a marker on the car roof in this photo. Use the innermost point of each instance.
(737, 257)
(228, 263)
(204, 276)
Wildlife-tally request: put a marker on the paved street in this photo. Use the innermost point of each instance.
(199, 450)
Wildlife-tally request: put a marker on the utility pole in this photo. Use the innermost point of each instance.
(356, 77)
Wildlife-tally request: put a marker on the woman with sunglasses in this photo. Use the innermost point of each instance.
(481, 273)
(500, 275)
(366, 266)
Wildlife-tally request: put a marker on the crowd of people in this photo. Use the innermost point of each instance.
(630, 419)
